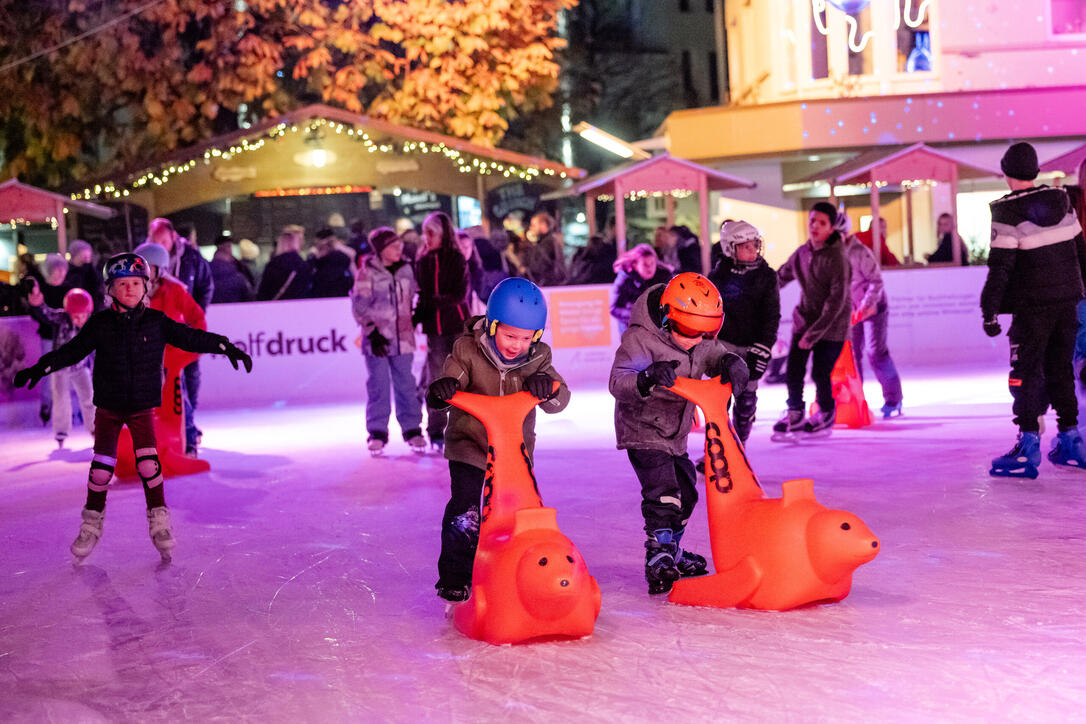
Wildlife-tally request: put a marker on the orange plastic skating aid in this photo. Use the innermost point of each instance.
(169, 426)
(771, 554)
(528, 581)
(848, 392)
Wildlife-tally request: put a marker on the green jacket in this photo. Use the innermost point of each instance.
(479, 369)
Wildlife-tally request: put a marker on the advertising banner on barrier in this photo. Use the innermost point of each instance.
(309, 351)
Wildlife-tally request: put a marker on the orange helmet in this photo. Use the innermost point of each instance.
(692, 305)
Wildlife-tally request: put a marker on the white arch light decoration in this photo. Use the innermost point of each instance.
(850, 7)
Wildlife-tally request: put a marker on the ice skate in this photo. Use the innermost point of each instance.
(691, 564)
(1023, 458)
(1068, 449)
(90, 531)
(161, 531)
(437, 445)
(788, 427)
(660, 568)
(45, 412)
(417, 443)
(376, 446)
(889, 411)
(454, 594)
(820, 424)
(60, 438)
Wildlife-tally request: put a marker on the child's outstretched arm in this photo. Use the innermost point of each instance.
(185, 337)
(63, 356)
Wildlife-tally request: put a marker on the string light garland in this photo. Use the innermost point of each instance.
(464, 163)
(638, 195)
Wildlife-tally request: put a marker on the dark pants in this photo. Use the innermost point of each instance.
(191, 384)
(458, 542)
(107, 429)
(668, 495)
(878, 354)
(825, 354)
(438, 349)
(1042, 346)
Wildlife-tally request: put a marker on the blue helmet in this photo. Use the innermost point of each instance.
(518, 303)
(126, 265)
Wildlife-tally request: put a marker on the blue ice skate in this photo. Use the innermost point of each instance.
(889, 411)
(1022, 460)
(1068, 449)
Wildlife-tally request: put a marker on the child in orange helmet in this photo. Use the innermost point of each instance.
(672, 333)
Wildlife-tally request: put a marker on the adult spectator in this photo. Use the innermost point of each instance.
(287, 275)
(231, 283)
(636, 270)
(442, 309)
(539, 256)
(495, 265)
(595, 262)
(332, 275)
(82, 274)
(684, 248)
(466, 245)
(886, 257)
(870, 318)
(948, 239)
(358, 241)
(251, 265)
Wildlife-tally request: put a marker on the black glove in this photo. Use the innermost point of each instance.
(991, 327)
(443, 389)
(235, 354)
(758, 357)
(540, 385)
(28, 377)
(378, 343)
(660, 374)
(733, 369)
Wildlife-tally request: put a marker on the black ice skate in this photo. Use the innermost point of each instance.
(454, 594)
(788, 427)
(60, 438)
(691, 564)
(820, 424)
(660, 569)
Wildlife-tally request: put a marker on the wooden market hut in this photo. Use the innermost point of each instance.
(24, 204)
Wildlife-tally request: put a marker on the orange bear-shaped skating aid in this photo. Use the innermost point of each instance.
(771, 554)
(169, 426)
(529, 581)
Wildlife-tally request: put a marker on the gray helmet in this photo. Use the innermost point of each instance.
(734, 233)
(155, 254)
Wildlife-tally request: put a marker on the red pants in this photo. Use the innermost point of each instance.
(108, 424)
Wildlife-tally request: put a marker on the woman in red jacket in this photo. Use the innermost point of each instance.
(444, 284)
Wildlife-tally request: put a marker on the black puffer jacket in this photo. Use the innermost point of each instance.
(1037, 255)
(128, 351)
(444, 283)
(752, 302)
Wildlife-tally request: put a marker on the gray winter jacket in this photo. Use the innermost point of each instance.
(662, 420)
(382, 299)
(867, 287)
(824, 277)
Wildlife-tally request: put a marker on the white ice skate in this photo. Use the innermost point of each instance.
(417, 444)
(61, 437)
(161, 530)
(376, 446)
(90, 531)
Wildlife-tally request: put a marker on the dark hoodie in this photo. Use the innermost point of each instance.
(662, 420)
(1037, 255)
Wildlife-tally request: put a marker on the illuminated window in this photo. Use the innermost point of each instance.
(860, 49)
(1068, 17)
(913, 31)
(820, 61)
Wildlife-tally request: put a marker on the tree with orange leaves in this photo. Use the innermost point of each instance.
(90, 85)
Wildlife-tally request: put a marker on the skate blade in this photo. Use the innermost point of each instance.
(784, 437)
(1026, 472)
(817, 434)
(1069, 463)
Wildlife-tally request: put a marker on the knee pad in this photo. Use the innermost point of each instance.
(101, 472)
(745, 405)
(148, 466)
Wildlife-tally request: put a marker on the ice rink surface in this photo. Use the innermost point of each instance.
(302, 585)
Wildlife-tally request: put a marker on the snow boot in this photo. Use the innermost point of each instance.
(90, 532)
(790, 424)
(1022, 460)
(161, 530)
(660, 553)
(820, 424)
(1068, 449)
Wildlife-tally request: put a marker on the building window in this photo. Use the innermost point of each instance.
(1068, 17)
(687, 72)
(820, 60)
(913, 39)
(709, 6)
(684, 6)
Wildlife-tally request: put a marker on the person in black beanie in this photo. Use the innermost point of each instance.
(1037, 274)
(820, 322)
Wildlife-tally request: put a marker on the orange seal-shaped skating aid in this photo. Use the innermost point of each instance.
(529, 581)
(771, 554)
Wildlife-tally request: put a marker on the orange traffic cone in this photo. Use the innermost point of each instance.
(848, 393)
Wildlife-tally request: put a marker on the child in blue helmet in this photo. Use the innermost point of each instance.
(498, 354)
(128, 340)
